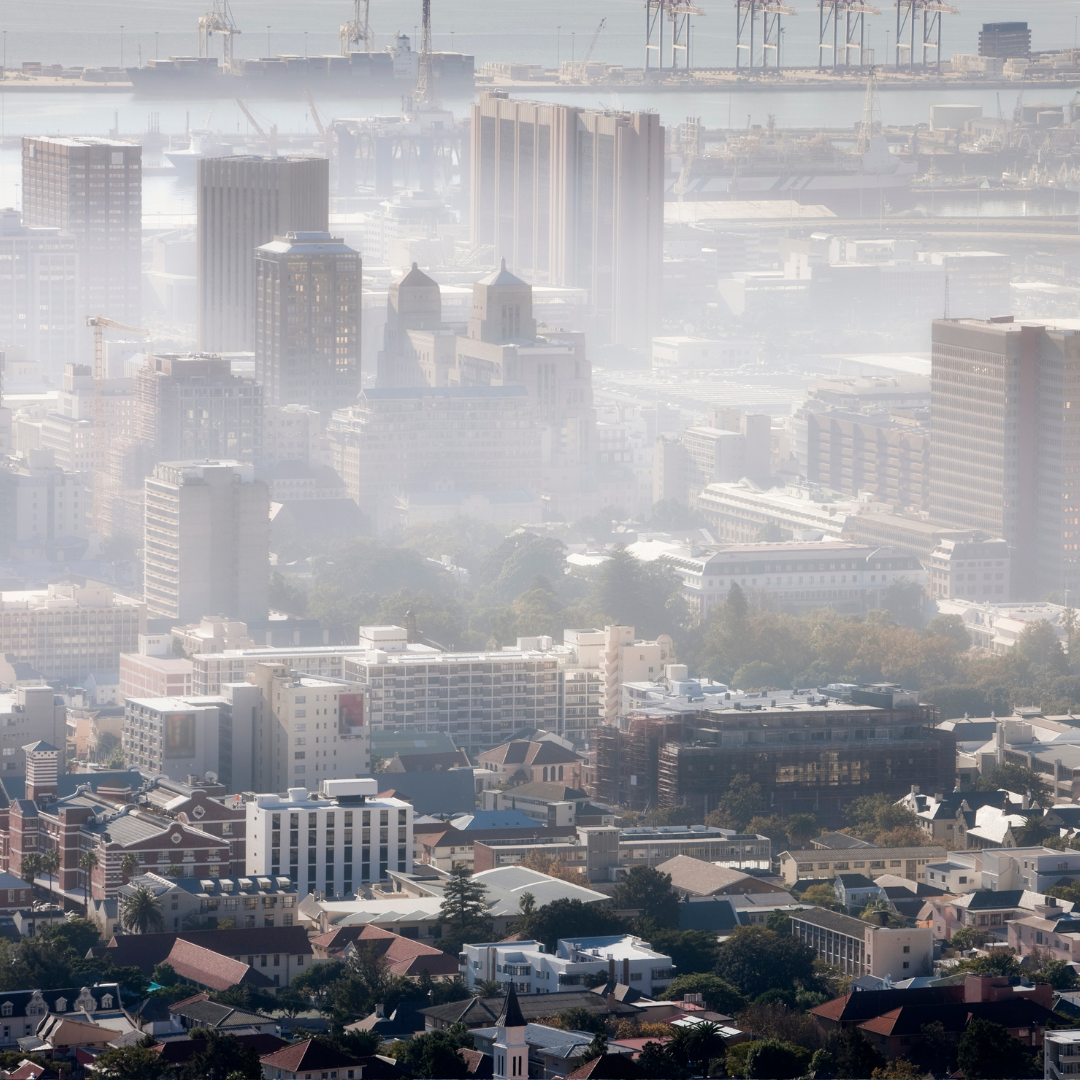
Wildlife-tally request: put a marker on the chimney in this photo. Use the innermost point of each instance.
(611, 969)
(626, 971)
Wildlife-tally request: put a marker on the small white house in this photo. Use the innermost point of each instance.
(533, 970)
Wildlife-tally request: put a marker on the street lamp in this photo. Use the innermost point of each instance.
(121, 46)
(268, 41)
(558, 47)
(155, 44)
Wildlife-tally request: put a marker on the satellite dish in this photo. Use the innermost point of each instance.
(212, 777)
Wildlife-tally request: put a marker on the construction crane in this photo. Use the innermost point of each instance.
(358, 30)
(580, 67)
(271, 139)
(99, 323)
(219, 21)
(323, 134)
(424, 95)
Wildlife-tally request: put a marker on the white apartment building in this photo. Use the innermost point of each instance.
(997, 626)
(294, 433)
(68, 631)
(206, 541)
(332, 840)
(1061, 1055)
(311, 729)
(1035, 869)
(211, 671)
(533, 970)
(973, 569)
(796, 575)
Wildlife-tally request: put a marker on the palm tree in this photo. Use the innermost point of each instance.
(50, 863)
(88, 863)
(141, 912)
(30, 867)
(526, 903)
(1033, 831)
(488, 988)
(129, 865)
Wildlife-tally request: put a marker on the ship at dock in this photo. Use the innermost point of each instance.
(357, 74)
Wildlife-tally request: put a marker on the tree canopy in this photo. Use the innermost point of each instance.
(754, 959)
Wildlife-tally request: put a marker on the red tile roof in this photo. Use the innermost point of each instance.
(480, 1066)
(308, 1056)
(403, 955)
(206, 968)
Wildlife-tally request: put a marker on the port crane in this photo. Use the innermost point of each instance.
(854, 13)
(358, 30)
(99, 324)
(581, 67)
(271, 138)
(907, 14)
(319, 126)
(424, 95)
(218, 21)
(747, 13)
(678, 13)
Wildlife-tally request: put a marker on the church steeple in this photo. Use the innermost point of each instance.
(511, 1052)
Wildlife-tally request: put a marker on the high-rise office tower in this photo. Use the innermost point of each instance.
(41, 309)
(307, 321)
(412, 303)
(185, 407)
(207, 541)
(1005, 443)
(572, 196)
(91, 189)
(244, 202)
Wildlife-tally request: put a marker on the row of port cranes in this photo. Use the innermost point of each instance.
(759, 28)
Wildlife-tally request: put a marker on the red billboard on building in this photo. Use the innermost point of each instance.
(350, 714)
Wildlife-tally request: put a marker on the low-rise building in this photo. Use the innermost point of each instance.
(154, 670)
(1061, 1054)
(347, 834)
(524, 761)
(695, 877)
(67, 631)
(1035, 869)
(966, 569)
(28, 713)
(862, 948)
(530, 968)
(987, 912)
(815, 863)
(550, 803)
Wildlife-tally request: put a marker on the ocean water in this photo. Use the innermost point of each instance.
(536, 31)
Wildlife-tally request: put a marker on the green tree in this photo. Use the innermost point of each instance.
(526, 903)
(30, 867)
(987, 1051)
(969, 937)
(220, 1058)
(467, 540)
(488, 988)
(853, 1055)
(738, 805)
(718, 995)
(141, 912)
(871, 815)
(754, 959)
(88, 863)
(801, 829)
(129, 865)
(645, 888)
(434, 1055)
(823, 896)
(904, 600)
(950, 627)
(464, 910)
(774, 1060)
(1033, 831)
(137, 1062)
(509, 569)
(164, 974)
(691, 951)
(1038, 643)
(78, 935)
(1058, 974)
(1018, 779)
(655, 1063)
(568, 919)
(50, 863)
(994, 963)
(635, 593)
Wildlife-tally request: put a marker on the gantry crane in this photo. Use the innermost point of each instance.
(219, 21)
(271, 138)
(678, 12)
(424, 95)
(855, 11)
(907, 13)
(746, 15)
(358, 30)
(99, 323)
(319, 126)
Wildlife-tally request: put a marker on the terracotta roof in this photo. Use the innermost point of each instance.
(520, 752)
(479, 1066)
(705, 878)
(204, 967)
(403, 955)
(144, 951)
(607, 1067)
(308, 1056)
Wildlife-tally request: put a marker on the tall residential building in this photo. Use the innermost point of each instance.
(346, 832)
(244, 202)
(91, 190)
(307, 320)
(312, 728)
(44, 511)
(65, 632)
(413, 303)
(1005, 443)
(572, 196)
(28, 713)
(41, 308)
(206, 541)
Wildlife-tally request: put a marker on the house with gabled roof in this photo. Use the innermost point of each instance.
(308, 1059)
